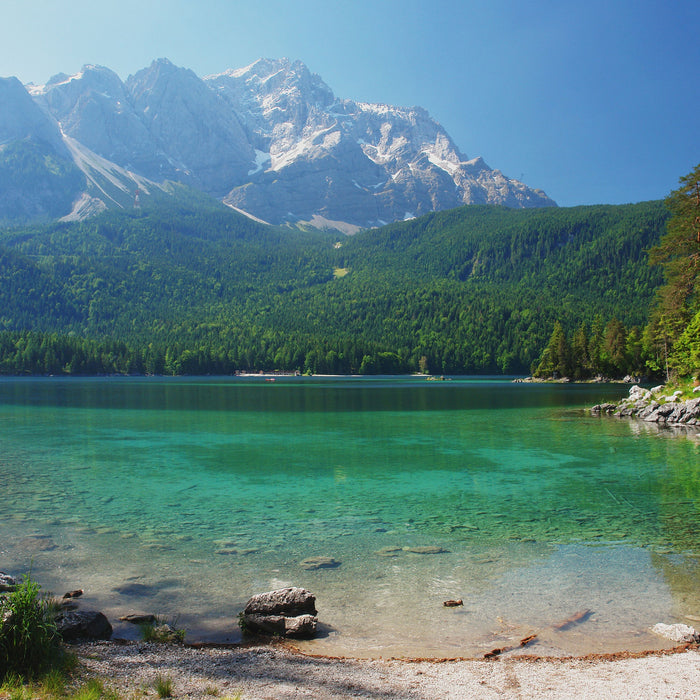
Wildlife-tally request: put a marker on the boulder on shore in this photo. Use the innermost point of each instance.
(285, 612)
(83, 624)
(651, 407)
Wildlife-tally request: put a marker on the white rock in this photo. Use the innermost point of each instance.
(637, 393)
(676, 633)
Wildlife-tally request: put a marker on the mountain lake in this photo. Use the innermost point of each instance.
(185, 496)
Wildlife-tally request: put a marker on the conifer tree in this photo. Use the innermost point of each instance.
(556, 358)
(678, 253)
(580, 358)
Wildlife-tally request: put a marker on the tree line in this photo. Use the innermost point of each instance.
(605, 350)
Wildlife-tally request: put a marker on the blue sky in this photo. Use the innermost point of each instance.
(593, 102)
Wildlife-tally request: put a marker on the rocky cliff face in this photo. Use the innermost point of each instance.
(369, 164)
(270, 139)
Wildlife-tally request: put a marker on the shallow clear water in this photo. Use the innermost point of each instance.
(184, 497)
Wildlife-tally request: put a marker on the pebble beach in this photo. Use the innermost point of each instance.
(260, 672)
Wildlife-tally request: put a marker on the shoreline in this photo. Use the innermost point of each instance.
(279, 670)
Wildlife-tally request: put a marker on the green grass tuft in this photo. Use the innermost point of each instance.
(164, 687)
(29, 641)
(162, 632)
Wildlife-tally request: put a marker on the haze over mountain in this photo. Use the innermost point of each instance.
(270, 139)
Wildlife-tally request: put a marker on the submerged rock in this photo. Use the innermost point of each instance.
(426, 549)
(453, 603)
(73, 594)
(38, 543)
(313, 563)
(285, 612)
(139, 618)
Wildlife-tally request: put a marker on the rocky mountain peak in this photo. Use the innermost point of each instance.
(270, 139)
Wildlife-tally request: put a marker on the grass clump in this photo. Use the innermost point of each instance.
(162, 632)
(29, 641)
(163, 686)
(94, 689)
(684, 385)
(53, 687)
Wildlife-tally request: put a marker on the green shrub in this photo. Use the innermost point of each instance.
(29, 641)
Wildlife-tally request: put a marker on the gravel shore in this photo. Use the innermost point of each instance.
(258, 672)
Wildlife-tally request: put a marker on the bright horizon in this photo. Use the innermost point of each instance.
(594, 103)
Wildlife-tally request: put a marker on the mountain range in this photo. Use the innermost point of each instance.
(270, 140)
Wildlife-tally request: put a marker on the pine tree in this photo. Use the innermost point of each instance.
(556, 358)
(678, 253)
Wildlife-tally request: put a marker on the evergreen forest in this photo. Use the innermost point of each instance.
(188, 286)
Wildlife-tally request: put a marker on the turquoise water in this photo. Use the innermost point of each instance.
(184, 497)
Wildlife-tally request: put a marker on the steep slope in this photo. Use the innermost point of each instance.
(46, 169)
(202, 139)
(38, 180)
(94, 108)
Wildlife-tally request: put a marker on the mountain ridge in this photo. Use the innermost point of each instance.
(270, 139)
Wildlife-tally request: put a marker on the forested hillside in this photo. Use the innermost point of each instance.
(193, 287)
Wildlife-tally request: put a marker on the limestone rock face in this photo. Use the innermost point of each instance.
(366, 164)
(286, 612)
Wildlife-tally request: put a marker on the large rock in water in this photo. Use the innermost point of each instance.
(286, 612)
